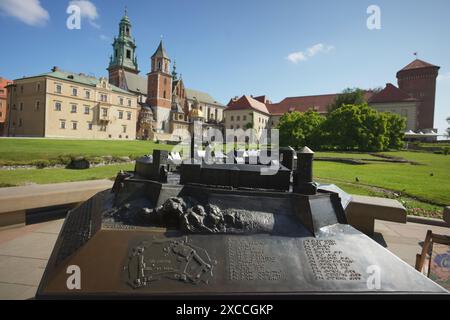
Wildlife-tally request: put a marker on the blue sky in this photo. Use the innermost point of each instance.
(230, 47)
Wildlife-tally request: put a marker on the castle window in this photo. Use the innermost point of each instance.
(128, 54)
(159, 65)
(74, 125)
(129, 102)
(121, 101)
(57, 106)
(21, 106)
(38, 87)
(124, 129)
(58, 88)
(87, 94)
(62, 124)
(74, 92)
(127, 31)
(87, 110)
(20, 122)
(116, 53)
(164, 94)
(104, 112)
(38, 104)
(74, 108)
(120, 114)
(128, 115)
(90, 126)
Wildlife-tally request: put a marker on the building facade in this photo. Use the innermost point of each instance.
(3, 104)
(247, 113)
(394, 100)
(62, 104)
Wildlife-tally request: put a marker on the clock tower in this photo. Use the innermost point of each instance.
(124, 54)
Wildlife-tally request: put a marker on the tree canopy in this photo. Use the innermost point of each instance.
(349, 96)
(350, 127)
(300, 129)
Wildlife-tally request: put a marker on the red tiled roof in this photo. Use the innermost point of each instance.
(418, 64)
(318, 103)
(246, 102)
(3, 83)
(262, 99)
(391, 94)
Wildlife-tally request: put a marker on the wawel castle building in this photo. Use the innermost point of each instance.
(62, 104)
(127, 106)
(413, 99)
(166, 106)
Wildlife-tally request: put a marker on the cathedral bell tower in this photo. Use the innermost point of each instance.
(124, 54)
(159, 93)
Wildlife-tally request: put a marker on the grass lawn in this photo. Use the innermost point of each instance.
(429, 181)
(423, 189)
(28, 151)
(19, 177)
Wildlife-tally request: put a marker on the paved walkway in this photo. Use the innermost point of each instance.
(24, 252)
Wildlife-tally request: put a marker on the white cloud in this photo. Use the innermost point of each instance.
(104, 37)
(443, 77)
(28, 11)
(88, 10)
(296, 57)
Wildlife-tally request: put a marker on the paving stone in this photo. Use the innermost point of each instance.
(16, 292)
(23, 271)
(31, 245)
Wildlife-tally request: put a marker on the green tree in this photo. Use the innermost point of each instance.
(396, 126)
(348, 97)
(356, 127)
(299, 129)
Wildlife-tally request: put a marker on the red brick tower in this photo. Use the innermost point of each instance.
(419, 80)
(160, 80)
